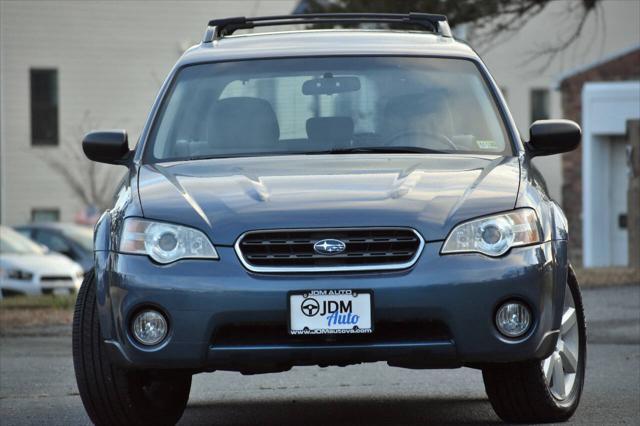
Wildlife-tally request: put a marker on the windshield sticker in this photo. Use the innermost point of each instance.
(487, 144)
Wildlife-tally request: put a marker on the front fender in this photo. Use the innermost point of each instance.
(102, 233)
(105, 241)
(560, 228)
(533, 194)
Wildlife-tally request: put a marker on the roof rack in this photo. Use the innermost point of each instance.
(219, 28)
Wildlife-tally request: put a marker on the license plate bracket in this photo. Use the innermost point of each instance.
(342, 311)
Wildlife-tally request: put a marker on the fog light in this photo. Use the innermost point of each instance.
(149, 327)
(513, 319)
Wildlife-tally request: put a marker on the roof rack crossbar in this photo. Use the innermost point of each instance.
(219, 28)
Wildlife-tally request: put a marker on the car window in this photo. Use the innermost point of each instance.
(82, 235)
(306, 105)
(53, 241)
(12, 242)
(24, 232)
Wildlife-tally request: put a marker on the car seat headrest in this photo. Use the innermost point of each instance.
(243, 123)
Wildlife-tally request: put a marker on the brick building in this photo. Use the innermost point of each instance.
(604, 97)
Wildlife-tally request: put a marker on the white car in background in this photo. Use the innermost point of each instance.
(28, 268)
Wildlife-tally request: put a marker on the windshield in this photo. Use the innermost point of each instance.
(13, 243)
(80, 234)
(327, 105)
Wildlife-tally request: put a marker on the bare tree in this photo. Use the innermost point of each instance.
(492, 20)
(90, 182)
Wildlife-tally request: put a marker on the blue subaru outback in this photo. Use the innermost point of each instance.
(329, 197)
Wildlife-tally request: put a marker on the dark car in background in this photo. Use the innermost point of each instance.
(74, 241)
(329, 197)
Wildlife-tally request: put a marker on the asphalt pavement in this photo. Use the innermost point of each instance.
(37, 384)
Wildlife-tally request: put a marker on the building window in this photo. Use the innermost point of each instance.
(539, 104)
(45, 215)
(44, 107)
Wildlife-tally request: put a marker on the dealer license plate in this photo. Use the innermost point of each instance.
(330, 312)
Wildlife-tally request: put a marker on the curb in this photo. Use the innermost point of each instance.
(607, 277)
(36, 331)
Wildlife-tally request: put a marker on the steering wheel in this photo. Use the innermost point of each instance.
(439, 136)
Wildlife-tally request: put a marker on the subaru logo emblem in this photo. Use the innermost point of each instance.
(329, 247)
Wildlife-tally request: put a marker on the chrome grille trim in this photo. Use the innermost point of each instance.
(337, 268)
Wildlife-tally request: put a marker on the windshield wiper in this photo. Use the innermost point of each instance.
(381, 150)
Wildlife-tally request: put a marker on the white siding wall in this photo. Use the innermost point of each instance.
(111, 58)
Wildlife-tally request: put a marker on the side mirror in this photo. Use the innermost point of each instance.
(107, 146)
(548, 137)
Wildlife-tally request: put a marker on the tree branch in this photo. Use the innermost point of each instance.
(493, 20)
(89, 181)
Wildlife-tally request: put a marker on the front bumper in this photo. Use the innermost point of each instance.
(36, 286)
(458, 292)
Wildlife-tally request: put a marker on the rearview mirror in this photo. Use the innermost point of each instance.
(330, 85)
(548, 137)
(107, 146)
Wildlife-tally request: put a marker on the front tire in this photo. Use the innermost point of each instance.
(548, 390)
(110, 394)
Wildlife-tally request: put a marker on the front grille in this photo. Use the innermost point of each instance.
(364, 249)
(275, 334)
(55, 278)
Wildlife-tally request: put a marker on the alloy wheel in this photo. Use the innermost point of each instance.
(561, 367)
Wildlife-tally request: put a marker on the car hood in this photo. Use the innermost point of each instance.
(40, 264)
(226, 197)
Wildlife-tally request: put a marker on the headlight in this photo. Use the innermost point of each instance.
(164, 242)
(495, 235)
(16, 274)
